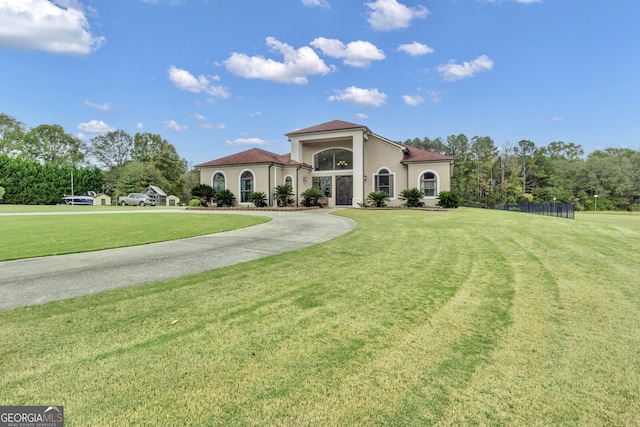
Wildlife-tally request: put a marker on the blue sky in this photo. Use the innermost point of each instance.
(216, 77)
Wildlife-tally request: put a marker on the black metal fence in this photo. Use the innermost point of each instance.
(561, 210)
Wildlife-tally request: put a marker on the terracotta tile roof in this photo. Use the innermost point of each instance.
(326, 127)
(252, 156)
(413, 154)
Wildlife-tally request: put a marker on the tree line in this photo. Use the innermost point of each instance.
(486, 175)
(36, 163)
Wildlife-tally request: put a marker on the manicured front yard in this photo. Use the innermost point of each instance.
(413, 318)
(26, 236)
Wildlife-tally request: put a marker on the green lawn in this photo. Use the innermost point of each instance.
(413, 318)
(25, 236)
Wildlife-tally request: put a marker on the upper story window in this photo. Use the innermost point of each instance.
(333, 159)
(428, 184)
(288, 181)
(218, 182)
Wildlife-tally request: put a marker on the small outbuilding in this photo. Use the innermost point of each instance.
(173, 200)
(156, 194)
(102, 200)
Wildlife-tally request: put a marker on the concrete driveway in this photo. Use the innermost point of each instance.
(40, 280)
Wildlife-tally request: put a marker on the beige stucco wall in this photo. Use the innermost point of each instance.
(442, 172)
(265, 178)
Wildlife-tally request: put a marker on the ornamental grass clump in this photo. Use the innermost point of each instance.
(378, 199)
(258, 198)
(448, 200)
(413, 197)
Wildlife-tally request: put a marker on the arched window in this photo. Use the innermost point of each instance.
(218, 182)
(428, 184)
(384, 182)
(288, 181)
(333, 159)
(246, 186)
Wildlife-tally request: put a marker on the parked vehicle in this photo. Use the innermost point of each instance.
(84, 199)
(136, 199)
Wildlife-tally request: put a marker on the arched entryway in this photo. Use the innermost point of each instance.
(344, 190)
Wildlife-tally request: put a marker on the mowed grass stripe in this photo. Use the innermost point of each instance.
(27, 236)
(413, 318)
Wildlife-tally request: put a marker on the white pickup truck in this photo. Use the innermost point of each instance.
(136, 199)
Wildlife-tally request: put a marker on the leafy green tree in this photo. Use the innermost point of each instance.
(12, 134)
(113, 149)
(50, 143)
(136, 177)
(152, 148)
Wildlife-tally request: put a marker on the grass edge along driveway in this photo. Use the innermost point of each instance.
(27, 236)
(412, 318)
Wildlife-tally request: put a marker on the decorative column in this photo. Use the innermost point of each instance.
(358, 169)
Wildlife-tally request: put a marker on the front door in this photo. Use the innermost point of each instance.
(344, 190)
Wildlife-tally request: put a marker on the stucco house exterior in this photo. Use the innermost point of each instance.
(344, 160)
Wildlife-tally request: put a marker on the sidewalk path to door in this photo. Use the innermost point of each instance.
(39, 280)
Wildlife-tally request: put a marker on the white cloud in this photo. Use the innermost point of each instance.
(248, 141)
(95, 126)
(551, 120)
(452, 71)
(102, 107)
(360, 97)
(413, 100)
(316, 3)
(415, 49)
(57, 26)
(210, 126)
(436, 97)
(529, 1)
(139, 125)
(174, 126)
(297, 65)
(199, 117)
(355, 54)
(256, 114)
(361, 116)
(186, 81)
(385, 15)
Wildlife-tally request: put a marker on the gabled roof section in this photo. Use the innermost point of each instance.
(413, 154)
(156, 190)
(251, 156)
(328, 127)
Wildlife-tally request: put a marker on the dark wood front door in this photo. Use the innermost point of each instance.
(344, 190)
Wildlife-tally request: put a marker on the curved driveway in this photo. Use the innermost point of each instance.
(40, 280)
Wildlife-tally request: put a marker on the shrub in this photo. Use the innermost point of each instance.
(203, 192)
(282, 194)
(225, 198)
(413, 197)
(258, 198)
(311, 197)
(194, 202)
(1, 192)
(378, 199)
(448, 200)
